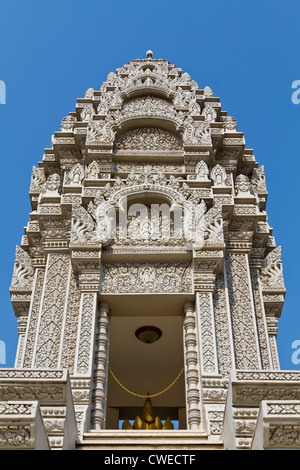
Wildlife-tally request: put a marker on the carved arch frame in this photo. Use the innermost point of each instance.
(176, 200)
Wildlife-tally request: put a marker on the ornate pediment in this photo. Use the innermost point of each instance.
(147, 139)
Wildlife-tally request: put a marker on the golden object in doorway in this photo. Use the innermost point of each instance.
(148, 421)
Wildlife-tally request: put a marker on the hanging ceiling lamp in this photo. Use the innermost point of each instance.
(148, 334)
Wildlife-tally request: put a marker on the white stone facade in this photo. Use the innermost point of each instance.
(148, 207)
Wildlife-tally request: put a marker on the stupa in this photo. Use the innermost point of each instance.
(148, 252)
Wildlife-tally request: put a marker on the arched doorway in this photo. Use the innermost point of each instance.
(143, 367)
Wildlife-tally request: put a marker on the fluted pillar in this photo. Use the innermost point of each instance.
(192, 373)
(86, 263)
(272, 332)
(101, 366)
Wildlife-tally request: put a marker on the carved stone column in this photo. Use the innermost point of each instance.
(22, 326)
(260, 315)
(246, 347)
(51, 316)
(272, 322)
(207, 263)
(223, 326)
(273, 292)
(206, 326)
(86, 262)
(192, 373)
(27, 357)
(101, 368)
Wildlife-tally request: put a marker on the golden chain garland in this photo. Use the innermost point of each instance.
(146, 396)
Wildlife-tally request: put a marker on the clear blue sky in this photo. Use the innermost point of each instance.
(246, 51)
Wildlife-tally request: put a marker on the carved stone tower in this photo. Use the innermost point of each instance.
(148, 267)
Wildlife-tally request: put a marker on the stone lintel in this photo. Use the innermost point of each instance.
(22, 427)
(278, 426)
(52, 390)
(247, 389)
